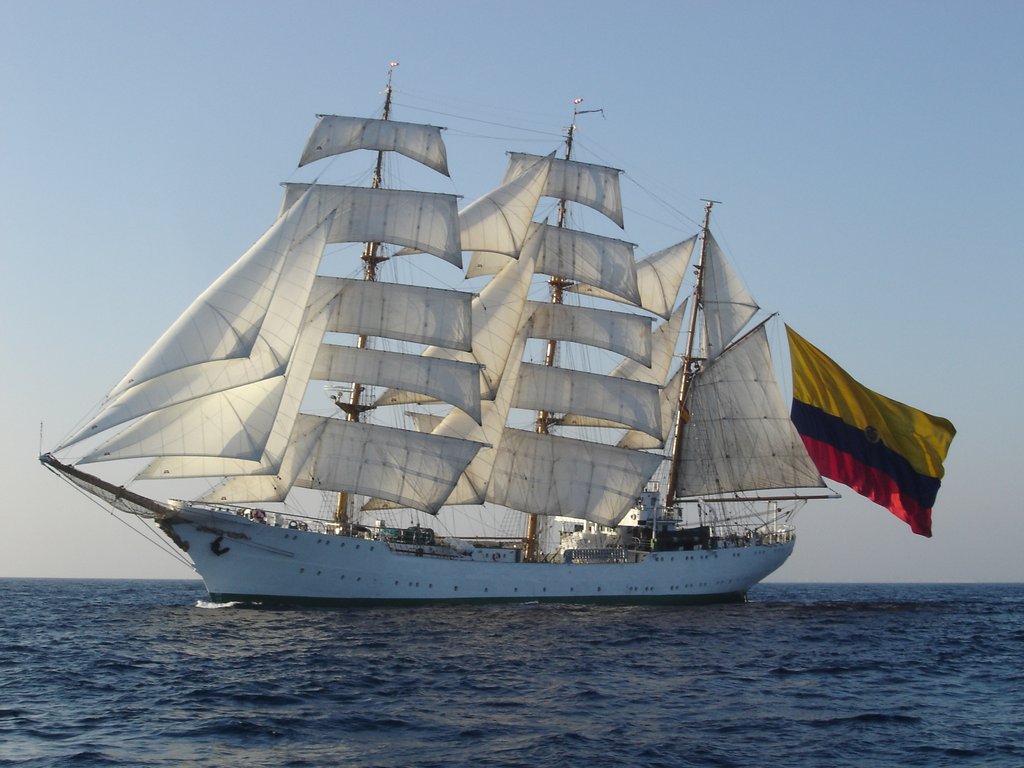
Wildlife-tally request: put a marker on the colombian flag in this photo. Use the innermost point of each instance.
(884, 450)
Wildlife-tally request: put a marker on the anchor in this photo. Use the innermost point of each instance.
(217, 548)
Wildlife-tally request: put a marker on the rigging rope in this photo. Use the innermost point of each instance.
(146, 534)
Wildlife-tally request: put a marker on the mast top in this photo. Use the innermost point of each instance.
(708, 203)
(577, 111)
(387, 95)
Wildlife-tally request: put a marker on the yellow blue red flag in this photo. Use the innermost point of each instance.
(884, 450)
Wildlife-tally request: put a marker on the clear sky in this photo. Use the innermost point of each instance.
(868, 156)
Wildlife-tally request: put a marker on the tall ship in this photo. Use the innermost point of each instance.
(388, 399)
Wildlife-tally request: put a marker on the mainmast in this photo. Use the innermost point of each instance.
(691, 363)
(371, 257)
(558, 285)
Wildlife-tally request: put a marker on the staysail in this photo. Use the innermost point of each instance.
(733, 434)
(754, 445)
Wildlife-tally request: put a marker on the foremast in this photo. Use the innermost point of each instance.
(354, 408)
(220, 395)
(557, 283)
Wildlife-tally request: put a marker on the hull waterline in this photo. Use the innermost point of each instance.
(243, 560)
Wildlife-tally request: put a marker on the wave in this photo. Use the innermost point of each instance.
(211, 605)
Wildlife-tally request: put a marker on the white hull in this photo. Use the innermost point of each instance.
(240, 559)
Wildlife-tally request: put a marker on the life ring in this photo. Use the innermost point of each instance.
(495, 557)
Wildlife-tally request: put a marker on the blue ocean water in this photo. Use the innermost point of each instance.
(136, 673)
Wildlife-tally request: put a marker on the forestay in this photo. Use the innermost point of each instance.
(269, 462)
(234, 424)
(241, 330)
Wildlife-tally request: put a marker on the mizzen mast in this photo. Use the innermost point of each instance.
(691, 364)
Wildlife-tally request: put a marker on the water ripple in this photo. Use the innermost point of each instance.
(148, 674)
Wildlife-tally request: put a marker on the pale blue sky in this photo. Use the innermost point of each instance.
(868, 155)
